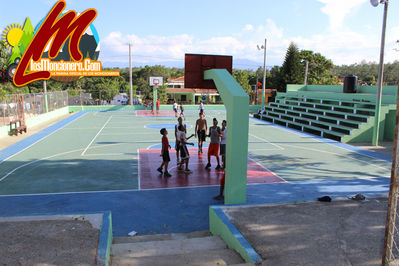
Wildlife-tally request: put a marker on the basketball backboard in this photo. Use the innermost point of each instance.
(196, 64)
(156, 81)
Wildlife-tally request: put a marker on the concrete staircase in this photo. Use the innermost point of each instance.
(197, 248)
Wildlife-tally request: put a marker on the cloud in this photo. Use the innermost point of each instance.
(337, 10)
(342, 47)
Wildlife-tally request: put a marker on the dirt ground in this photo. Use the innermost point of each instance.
(342, 232)
(59, 242)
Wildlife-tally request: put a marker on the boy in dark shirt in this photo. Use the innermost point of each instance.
(165, 153)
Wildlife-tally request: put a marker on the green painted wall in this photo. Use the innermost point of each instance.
(36, 120)
(389, 133)
(218, 228)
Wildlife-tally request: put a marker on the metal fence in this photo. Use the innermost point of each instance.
(33, 104)
(390, 254)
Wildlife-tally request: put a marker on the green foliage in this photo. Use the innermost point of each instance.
(319, 68)
(367, 72)
(4, 56)
(242, 78)
(162, 94)
(291, 71)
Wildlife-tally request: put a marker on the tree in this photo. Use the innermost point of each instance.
(319, 68)
(292, 69)
(276, 80)
(242, 78)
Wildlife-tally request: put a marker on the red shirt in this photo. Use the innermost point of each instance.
(158, 103)
(165, 142)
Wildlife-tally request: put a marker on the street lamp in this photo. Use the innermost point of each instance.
(263, 47)
(130, 76)
(376, 128)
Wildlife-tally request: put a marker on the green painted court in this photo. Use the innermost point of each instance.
(99, 151)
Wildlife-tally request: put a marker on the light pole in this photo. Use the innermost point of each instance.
(264, 73)
(376, 128)
(305, 81)
(130, 75)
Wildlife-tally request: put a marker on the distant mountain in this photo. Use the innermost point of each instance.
(237, 64)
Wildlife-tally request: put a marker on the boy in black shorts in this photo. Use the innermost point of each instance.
(164, 153)
(200, 129)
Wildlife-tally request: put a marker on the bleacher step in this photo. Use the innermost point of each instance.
(167, 247)
(199, 258)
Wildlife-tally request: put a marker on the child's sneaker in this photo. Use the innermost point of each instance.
(218, 167)
(208, 166)
(166, 174)
(188, 171)
(160, 170)
(180, 169)
(219, 197)
(199, 152)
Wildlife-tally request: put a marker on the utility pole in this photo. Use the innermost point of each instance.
(45, 96)
(130, 75)
(306, 73)
(264, 76)
(376, 128)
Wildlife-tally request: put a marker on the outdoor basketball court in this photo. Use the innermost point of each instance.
(108, 161)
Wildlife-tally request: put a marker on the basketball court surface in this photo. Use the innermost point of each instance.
(98, 161)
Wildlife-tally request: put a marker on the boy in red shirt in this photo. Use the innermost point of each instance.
(158, 105)
(165, 153)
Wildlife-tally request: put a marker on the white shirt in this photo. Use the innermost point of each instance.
(175, 106)
(223, 138)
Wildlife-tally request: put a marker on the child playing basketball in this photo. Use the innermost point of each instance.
(213, 150)
(184, 155)
(164, 153)
(200, 129)
(223, 143)
(221, 189)
(177, 136)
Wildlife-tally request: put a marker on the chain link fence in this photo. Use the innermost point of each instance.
(33, 104)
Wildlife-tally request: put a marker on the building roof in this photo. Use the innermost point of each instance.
(179, 79)
(189, 90)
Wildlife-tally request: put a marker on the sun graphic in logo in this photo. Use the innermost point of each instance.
(12, 34)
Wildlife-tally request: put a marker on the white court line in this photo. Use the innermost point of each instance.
(52, 156)
(337, 154)
(318, 140)
(278, 146)
(106, 191)
(42, 139)
(268, 170)
(138, 170)
(98, 133)
(105, 154)
(35, 161)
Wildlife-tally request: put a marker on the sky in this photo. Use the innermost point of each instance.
(162, 31)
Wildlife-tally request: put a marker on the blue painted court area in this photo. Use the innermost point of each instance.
(89, 163)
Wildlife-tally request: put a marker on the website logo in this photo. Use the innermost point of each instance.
(64, 46)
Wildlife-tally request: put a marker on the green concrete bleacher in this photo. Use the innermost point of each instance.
(345, 119)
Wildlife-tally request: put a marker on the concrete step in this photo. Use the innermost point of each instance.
(201, 258)
(167, 247)
(146, 238)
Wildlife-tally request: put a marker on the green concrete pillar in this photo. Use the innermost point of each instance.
(154, 96)
(236, 102)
